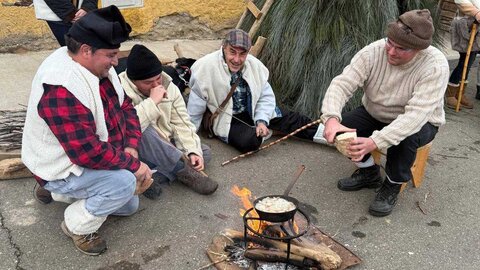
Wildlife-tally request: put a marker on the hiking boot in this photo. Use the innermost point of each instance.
(385, 199)
(154, 191)
(90, 244)
(42, 195)
(196, 181)
(451, 97)
(369, 177)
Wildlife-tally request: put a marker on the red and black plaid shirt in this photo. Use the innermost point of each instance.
(73, 125)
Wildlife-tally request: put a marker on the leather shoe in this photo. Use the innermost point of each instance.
(42, 195)
(385, 199)
(369, 177)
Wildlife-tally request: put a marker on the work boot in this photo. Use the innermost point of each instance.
(385, 199)
(369, 177)
(153, 192)
(451, 96)
(196, 181)
(42, 195)
(90, 244)
(477, 96)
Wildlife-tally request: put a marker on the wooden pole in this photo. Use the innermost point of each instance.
(318, 121)
(257, 48)
(473, 32)
(266, 7)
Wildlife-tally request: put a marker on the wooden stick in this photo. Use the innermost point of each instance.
(273, 143)
(473, 32)
(266, 7)
(178, 50)
(257, 48)
(268, 255)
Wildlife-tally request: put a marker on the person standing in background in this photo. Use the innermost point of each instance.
(60, 15)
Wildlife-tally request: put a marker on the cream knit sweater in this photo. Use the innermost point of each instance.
(406, 96)
(169, 117)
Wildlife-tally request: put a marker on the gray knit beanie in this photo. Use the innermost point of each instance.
(413, 29)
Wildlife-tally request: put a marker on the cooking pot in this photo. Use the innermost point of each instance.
(276, 217)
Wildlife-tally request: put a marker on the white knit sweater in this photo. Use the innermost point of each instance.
(406, 96)
(41, 151)
(210, 84)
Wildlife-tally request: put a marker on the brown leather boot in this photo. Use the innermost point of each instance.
(90, 244)
(451, 96)
(196, 181)
(465, 102)
(42, 195)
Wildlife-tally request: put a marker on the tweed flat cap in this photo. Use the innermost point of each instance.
(238, 38)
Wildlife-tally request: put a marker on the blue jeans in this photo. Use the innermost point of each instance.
(105, 192)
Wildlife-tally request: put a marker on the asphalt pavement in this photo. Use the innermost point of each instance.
(436, 226)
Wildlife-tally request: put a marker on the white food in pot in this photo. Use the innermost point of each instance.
(275, 205)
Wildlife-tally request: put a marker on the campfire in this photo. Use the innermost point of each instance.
(292, 243)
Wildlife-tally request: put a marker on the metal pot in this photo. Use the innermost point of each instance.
(277, 217)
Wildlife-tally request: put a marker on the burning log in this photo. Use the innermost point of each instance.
(268, 255)
(326, 257)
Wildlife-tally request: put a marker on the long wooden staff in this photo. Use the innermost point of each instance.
(184, 156)
(273, 143)
(473, 32)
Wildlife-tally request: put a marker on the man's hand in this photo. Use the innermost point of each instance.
(261, 129)
(196, 161)
(332, 127)
(158, 93)
(144, 178)
(80, 13)
(132, 151)
(359, 147)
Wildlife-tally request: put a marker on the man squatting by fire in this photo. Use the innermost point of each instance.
(81, 131)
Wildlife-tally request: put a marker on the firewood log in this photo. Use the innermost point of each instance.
(13, 168)
(329, 260)
(268, 255)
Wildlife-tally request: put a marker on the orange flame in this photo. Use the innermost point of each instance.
(245, 196)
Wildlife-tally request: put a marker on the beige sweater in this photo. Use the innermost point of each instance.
(406, 96)
(169, 117)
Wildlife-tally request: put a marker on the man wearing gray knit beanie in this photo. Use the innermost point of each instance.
(403, 79)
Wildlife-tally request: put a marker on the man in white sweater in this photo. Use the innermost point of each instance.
(81, 132)
(403, 80)
(169, 139)
(251, 111)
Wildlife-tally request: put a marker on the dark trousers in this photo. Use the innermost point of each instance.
(456, 75)
(59, 29)
(401, 157)
(244, 138)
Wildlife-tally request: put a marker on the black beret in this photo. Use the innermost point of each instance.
(103, 28)
(142, 63)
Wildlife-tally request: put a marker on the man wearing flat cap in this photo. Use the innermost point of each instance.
(249, 112)
(81, 131)
(403, 80)
(169, 139)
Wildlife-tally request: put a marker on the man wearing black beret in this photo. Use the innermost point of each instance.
(169, 139)
(81, 132)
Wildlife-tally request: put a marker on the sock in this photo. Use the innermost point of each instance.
(368, 163)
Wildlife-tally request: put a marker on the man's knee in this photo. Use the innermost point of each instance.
(246, 144)
(123, 183)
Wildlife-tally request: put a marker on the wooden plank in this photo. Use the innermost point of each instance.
(448, 14)
(266, 7)
(257, 48)
(449, 6)
(254, 10)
